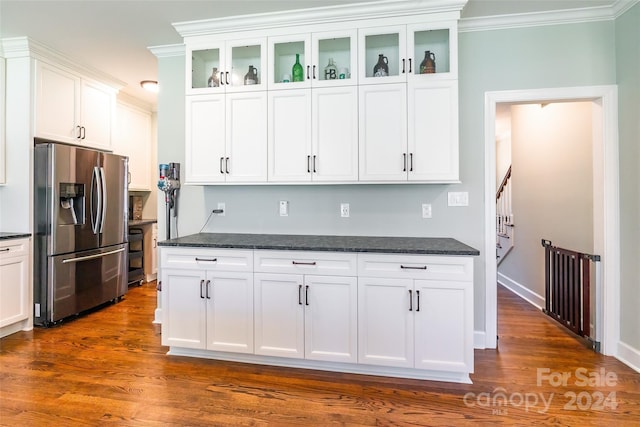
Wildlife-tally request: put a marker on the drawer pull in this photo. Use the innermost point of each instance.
(410, 267)
(5, 250)
(303, 263)
(207, 259)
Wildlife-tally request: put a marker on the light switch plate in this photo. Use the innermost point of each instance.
(221, 205)
(460, 198)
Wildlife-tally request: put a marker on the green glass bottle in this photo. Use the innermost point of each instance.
(297, 72)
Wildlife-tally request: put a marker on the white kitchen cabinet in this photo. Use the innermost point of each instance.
(71, 108)
(132, 138)
(229, 62)
(311, 317)
(307, 316)
(313, 135)
(204, 306)
(409, 132)
(226, 138)
(316, 51)
(15, 286)
(416, 312)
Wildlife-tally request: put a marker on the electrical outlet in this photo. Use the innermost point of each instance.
(222, 206)
(458, 198)
(344, 210)
(284, 208)
(426, 210)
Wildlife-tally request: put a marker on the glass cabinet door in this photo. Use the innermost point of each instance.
(432, 51)
(334, 58)
(290, 62)
(246, 68)
(233, 66)
(206, 66)
(382, 56)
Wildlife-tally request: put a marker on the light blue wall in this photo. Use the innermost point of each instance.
(553, 56)
(628, 76)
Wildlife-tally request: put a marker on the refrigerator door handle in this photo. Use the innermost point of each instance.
(85, 258)
(103, 183)
(96, 191)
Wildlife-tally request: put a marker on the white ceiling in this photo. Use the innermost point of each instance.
(114, 35)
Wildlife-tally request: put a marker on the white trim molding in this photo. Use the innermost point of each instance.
(629, 356)
(168, 50)
(607, 98)
(550, 17)
(522, 291)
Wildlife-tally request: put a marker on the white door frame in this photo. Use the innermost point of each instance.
(606, 200)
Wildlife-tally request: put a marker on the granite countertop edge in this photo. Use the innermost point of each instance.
(325, 243)
(13, 235)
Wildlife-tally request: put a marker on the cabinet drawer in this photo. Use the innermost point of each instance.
(302, 262)
(14, 247)
(416, 267)
(207, 259)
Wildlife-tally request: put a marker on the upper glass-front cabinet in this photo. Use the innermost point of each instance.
(234, 66)
(403, 53)
(318, 59)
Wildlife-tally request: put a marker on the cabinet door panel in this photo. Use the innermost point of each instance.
(383, 132)
(433, 131)
(14, 289)
(98, 109)
(279, 315)
(183, 309)
(290, 135)
(205, 138)
(132, 138)
(385, 324)
(331, 320)
(335, 134)
(57, 104)
(230, 312)
(444, 326)
(246, 145)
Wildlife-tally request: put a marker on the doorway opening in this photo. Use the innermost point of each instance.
(602, 101)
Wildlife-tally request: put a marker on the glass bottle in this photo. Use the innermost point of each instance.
(251, 78)
(297, 72)
(213, 80)
(331, 71)
(428, 64)
(381, 69)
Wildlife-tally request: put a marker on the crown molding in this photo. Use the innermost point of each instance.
(23, 47)
(318, 15)
(537, 19)
(167, 50)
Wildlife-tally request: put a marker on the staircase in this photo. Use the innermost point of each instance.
(504, 218)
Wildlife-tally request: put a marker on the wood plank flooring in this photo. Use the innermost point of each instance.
(108, 368)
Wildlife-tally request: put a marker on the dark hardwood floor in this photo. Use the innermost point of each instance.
(108, 368)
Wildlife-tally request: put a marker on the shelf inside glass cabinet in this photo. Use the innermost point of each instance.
(202, 64)
(436, 42)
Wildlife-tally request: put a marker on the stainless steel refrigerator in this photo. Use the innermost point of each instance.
(80, 220)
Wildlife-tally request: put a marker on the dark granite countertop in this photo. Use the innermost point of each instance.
(139, 222)
(404, 245)
(8, 235)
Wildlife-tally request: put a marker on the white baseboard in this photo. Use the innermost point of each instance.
(521, 290)
(629, 356)
(479, 340)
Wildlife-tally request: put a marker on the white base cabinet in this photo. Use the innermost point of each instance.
(208, 300)
(382, 314)
(15, 286)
